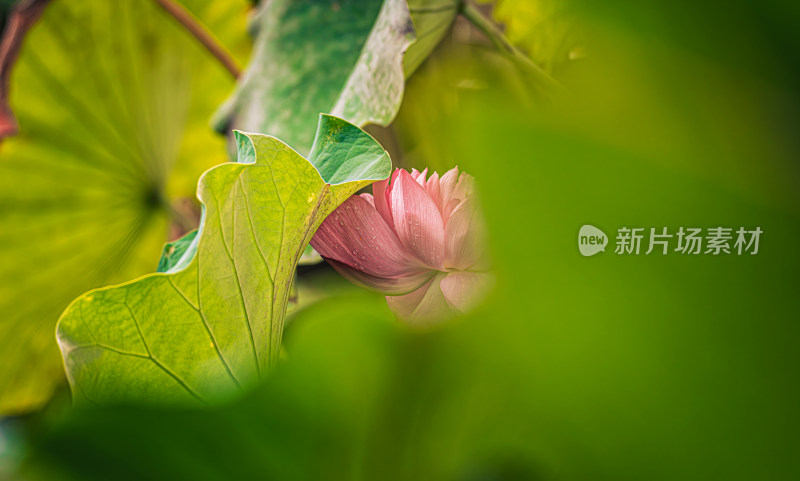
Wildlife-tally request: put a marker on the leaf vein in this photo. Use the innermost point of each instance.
(208, 330)
(236, 277)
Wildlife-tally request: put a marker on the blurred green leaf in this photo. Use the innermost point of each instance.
(432, 20)
(339, 57)
(213, 325)
(436, 93)
(547, 30)
(113, 101)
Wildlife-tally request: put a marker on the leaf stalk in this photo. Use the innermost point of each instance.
(202, 34)
(499, 40)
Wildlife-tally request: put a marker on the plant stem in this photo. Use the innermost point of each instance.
(201, 33)
(21, 17)
(496, 36)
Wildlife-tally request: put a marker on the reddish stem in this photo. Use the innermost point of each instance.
(22, 17)
(193, 25)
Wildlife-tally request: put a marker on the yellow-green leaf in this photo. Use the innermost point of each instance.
(213, 323)
(113, 101)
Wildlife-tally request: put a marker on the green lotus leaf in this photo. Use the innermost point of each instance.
(344, 58)
(113, 101)
(212, 325)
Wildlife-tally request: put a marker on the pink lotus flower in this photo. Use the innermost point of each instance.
(419, 242)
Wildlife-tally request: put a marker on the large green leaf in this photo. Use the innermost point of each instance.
(113, 101)
(213, 323)
(339, 57)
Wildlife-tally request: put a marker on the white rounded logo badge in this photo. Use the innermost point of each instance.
(591, 240)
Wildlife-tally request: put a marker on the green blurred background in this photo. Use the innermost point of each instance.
(609, 367)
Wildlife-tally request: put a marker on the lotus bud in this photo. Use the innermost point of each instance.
(419, 240)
